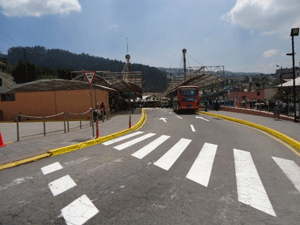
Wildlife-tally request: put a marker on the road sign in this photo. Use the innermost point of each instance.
(90, 75)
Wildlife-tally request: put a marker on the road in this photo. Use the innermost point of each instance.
(177, 169)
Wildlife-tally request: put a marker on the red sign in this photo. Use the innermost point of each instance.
(90, 75)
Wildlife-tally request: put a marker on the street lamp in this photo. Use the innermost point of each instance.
(294, 32)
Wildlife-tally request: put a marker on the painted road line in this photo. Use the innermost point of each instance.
(51, 168)
(79, 211)
(122, 138)
(179, 117)
(249, 186)
(193, 129)
(61, 185)
(170, 112)
(291, 170)
(199, 117)
(168, 159)
(201, 169)
(134, 141)
(150, 147)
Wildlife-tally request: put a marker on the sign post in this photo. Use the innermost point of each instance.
(90, 75)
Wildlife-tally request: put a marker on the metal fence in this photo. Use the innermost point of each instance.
(60, 122)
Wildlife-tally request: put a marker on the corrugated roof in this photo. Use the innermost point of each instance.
(54, 85)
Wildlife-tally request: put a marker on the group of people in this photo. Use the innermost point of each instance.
(216, 105)
(99, 112)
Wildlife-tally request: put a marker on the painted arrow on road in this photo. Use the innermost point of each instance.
(164, 119)
(199, 117)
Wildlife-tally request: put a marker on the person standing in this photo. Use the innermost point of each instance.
(206, 105)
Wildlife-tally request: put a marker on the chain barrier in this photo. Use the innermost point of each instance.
(65, 120)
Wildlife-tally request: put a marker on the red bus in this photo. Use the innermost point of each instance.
(186, 97)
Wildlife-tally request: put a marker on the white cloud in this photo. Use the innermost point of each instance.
(38, 8)
(270, 53)
(268, 16)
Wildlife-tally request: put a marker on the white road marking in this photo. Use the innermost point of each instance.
(170, 112)
(249, 186)
(61, 185)
(291, 170)
(51, 168)
(79, 211)
(169, 158)
(150, 147)
(134, 141)
(199, 117)
(193, 129)
(74, 162)
(122, 138)
(202, 167)
(16, 182)
(164, 119)
(179, 117)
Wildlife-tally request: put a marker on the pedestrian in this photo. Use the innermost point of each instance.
(276, 116)
(102, 110)
(206, 105)
(278, 113)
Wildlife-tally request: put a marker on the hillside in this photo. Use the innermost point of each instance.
(53, 62)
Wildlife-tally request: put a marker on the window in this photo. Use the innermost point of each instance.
(258, 93)
(8, 97)
(0, 82)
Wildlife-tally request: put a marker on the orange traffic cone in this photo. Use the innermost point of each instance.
(1, 141)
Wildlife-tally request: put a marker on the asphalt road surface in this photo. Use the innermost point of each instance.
(177, 169)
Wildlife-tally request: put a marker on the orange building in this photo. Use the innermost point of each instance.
(51, 97)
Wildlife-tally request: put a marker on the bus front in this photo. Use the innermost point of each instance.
(188, 98)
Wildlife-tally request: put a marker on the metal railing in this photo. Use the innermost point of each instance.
(65, 118)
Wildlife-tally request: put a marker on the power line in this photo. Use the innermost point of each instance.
(194, 59)
(11, 39)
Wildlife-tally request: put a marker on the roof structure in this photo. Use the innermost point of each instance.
(201, 78)
(54, 85)
(291, 83)
(121, 81)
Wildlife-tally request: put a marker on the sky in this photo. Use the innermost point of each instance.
(241, 35)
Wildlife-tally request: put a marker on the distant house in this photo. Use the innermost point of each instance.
(243, 98)
(287, 73)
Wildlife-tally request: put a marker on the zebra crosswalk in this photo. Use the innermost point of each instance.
(250, 188)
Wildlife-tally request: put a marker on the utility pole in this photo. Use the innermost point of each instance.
(26, 65)
(184, 63)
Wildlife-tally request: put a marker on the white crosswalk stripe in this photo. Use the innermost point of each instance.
(122, 138)
(168, 159)
(201, 169)
(61, 185)
(249, 186)
(134, 141)
(150, 147)
(291, 170)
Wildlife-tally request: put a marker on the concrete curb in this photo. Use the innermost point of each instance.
(275, 133)
(63, 150)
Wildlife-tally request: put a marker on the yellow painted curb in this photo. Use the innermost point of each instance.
(99, 140)
(81, 145)
(24, 161)
(282, 136)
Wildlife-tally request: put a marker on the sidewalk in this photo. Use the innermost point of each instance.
(33, 146)
(288, 128)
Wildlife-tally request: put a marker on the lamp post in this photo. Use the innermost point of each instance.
(294, 32)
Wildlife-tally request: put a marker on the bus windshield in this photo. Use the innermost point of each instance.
(189, 94)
